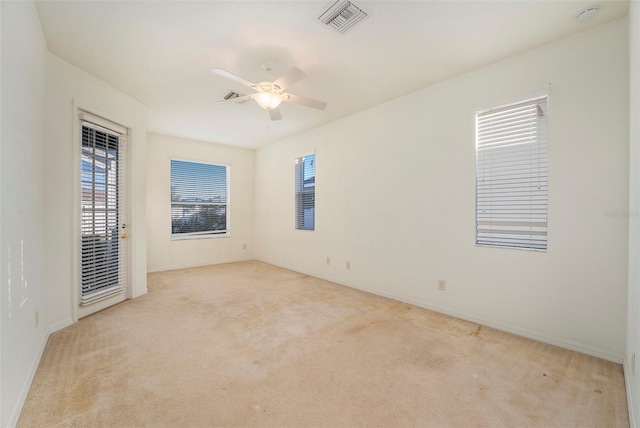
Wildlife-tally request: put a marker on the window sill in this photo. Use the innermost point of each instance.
(504, 247)
(203, 236)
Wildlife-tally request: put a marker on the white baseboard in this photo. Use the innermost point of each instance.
(59, 325)
(15, 414)
(627, 383)
(583, 348)
(217, 262)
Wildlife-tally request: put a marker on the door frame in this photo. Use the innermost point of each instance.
(76, 310)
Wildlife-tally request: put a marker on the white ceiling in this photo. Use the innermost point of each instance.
(161, 53)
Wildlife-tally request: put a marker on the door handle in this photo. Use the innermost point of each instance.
(123, 236)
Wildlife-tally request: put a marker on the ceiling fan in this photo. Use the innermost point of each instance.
(269, 95)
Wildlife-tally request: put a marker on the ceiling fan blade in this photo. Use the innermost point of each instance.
(274, 114)
(235, 100)
(291, 77)
(309, 102)
(231, 76)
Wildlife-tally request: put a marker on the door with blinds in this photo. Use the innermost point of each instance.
(102, 221)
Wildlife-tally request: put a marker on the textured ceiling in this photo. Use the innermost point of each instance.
(161, 53)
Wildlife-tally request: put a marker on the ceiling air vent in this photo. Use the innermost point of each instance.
(342, 15)
(231, 95)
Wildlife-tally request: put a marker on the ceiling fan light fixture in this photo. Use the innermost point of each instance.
(269, 95)
(268, 100)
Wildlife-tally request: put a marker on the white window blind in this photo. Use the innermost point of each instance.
(305, 192)
(511, 175)
(103, 255)
(199, 199)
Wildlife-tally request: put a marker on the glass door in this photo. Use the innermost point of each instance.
(102, 225)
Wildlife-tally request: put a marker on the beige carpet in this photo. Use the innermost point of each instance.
(249, 344)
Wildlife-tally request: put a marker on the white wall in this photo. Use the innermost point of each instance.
(69, 88)
(164, 253)
(633, 317)
(395, 197)
(23, 280)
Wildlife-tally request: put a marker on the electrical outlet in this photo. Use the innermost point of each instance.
(37, 319)
(244, 246)
(348, 265)
(328, 260)
(442, 285)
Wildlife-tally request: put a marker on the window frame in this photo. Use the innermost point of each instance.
(98, 247)
(541, 161)
(203, 234)
(303, 192)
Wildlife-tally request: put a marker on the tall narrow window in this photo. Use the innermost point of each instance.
(511, 175)
(199, 198)
(102, 225)
(306, 192)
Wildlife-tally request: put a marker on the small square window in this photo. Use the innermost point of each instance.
(199, 199)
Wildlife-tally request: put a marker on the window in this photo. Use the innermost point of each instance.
(199, 198)
(102, 223)
(306, 192)
(511, 175)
